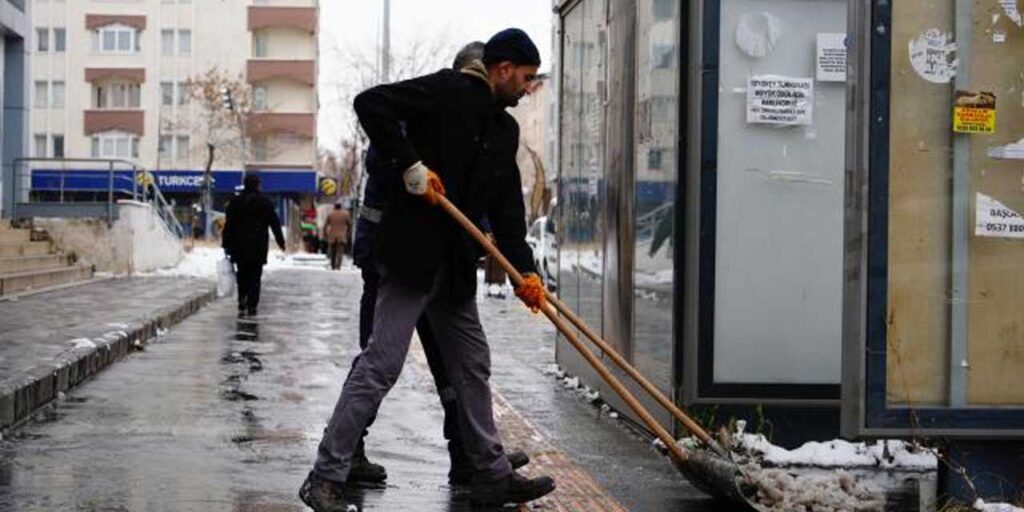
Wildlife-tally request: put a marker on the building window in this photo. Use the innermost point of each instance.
(664, 9)
(116, 39)
(184, 42)
(60, 40)
(182, 148)
(164, 147)
(663, 56)
(42, 93)
(42, 40)
(259, 98)
(260, 44)
(654, 158)
(259, 149)
(182, 93)
(115, 145)
(167, 42)
(167, 94)
(118, 95)
(57, 145)
(40, 146)
(57, 94)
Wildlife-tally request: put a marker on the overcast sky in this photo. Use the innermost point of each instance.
(355, 26)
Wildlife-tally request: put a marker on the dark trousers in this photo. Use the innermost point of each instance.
(336, 252)
(248, 276)
(367, 304)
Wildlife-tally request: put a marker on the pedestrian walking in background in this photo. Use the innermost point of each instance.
(336, 230)
(246, 241)
(454, 123)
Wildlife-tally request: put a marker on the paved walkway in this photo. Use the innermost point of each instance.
(225, 415)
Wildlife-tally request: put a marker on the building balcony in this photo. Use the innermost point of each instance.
(303, 125)
(131, 121)
(302, 71)
(133, 75)
(302, 18)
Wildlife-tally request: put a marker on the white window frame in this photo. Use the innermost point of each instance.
(57, 99)
(181, 89)
(117, 31)
(184, 41)
(41, 94)
(260, 45)
(107, 95)
(115, 144)
(60, 39)
(42, 39)
(260, 94)
(165, 147)
(167, 94)
(39, 145)
(183, 148)
(53, 145)
(167, 41)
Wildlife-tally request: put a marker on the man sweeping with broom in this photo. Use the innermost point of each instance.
(452, 145)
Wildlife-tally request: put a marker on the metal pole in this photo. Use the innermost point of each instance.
(110, 193)
(958, 363)
(385, 58)
(135, 184)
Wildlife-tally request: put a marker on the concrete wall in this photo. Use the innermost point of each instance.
(137, 242)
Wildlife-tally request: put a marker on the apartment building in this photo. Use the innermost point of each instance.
(14, 36)
(110, 80)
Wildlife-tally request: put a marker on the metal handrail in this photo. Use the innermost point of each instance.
(115, 184)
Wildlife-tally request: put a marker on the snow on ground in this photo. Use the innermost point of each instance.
(837, 453)
(201, 262)
(995, 507)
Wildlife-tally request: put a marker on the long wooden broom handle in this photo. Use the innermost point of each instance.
(599, 367)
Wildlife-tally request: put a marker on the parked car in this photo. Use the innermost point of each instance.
(543, 241)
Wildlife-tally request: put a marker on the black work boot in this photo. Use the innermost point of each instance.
(365, 472)
(514, 488)
(461, 474)
(323, 495)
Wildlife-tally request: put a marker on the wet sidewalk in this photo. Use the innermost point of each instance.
(51, 341)
(222, 414)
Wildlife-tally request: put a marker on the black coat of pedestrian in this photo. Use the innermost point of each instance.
(248, 218)
(452, 124)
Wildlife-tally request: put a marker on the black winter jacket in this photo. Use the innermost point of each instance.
(453, 124)
(245, 238)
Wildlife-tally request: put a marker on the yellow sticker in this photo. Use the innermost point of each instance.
(974, 112)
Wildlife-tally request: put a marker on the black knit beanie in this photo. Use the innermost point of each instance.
(512, 45)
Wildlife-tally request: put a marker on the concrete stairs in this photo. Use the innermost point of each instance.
(29, 261)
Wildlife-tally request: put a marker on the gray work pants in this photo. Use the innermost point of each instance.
(466, 355)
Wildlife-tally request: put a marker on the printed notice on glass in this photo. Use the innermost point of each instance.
(780, 100)
(994, 219)
(831, 58)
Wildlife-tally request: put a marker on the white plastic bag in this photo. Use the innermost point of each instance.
(225, 278)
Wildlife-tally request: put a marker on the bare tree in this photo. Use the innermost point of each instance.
(420, 56)
(218, 126)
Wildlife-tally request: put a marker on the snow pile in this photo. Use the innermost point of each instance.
(981, 506)
(838, 491)
(82, 343)
(201, 262)
(554, 369)
(573, 383)
(886, 454)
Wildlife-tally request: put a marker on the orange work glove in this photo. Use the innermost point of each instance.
(531, 292)
(435, 189)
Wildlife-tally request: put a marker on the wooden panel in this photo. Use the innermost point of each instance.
(996, 308)
(919, 215)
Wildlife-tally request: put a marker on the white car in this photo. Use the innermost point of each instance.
(542, 240)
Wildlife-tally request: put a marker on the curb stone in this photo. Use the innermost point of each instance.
(27, 391)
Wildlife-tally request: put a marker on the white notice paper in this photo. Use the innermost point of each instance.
(994, 219)
(831, 58)
(1012, 12)
(780, 100)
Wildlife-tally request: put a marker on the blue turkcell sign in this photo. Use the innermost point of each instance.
(84, 180)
